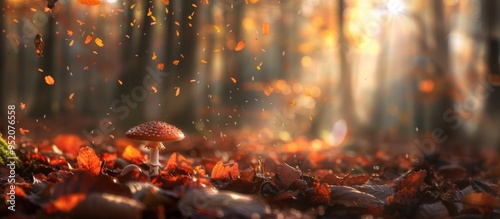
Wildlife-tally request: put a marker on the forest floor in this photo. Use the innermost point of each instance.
(245, 177)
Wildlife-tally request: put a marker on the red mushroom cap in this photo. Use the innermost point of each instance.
(155, 131)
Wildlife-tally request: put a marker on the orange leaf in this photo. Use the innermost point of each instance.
(71, 96)
(99, 42)
(88, 161)
(70, 32)
(23, 131)
(66, 203)
(22, 106)
(266, 28)
(177, 162)
(89, 2)
(254, 1)
(225, 171)
(49, 80)
(161, 66)
(88, 39)
(69, 144)
(175, 62)
(240, 46)
(166, 2)
(177, 91)
(133, 155)
(233, 79)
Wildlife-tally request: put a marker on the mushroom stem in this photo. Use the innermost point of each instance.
(154, 161)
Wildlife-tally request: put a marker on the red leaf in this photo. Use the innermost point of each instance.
(177, 162)
(413, 180)
(65, 203)
(88, 161)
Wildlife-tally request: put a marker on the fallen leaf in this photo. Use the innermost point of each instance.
(88, 161)
(352, 197)
(287, 174)
(239, 46)
(133, 155)
(177, 163)
(65, 203)
(225, 171)
(413, 180)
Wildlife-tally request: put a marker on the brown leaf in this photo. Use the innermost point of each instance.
(413, 180)
(177, 162)
(103, 205)
(287, 174)
(480, 201)
(225, 171)
(407, 197)
(320, 194)
(88, 161)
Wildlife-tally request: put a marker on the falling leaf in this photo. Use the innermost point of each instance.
(268, 91)
(225, 171)
(23, 131)
(22, 106)
(194, 5)
(161, 66)
(39, 44)
(49, 80)
(293, 103)
(240, 46)
(177, 163)
(71, 96)
(40, 70)
(71, 42)
(154, 89)
(154, 57)
(88, 39)
(254, 1)
(266, 28)
(88, 161)
(120, 82)
(98, 42)
(310, 118)
(166, 2)
(233, 79)
(69, 32)
(133, 155)
(176, 62)
(217, 29)
(177, 91)
(203, 61)
(89, 2)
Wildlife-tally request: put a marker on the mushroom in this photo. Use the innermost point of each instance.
(155, 132)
